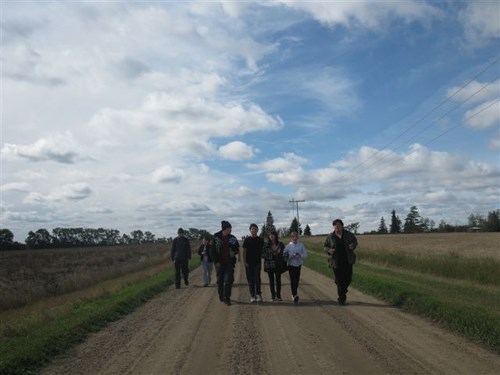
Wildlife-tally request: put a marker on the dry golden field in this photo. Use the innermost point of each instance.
(29, 275)
(466, 244)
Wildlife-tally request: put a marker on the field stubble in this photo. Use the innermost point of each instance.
(30, 275)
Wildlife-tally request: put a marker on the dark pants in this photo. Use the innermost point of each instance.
(294, 273)
(275, 283)
(343, 278)
(181, 265)
(253, 278)
(225, 279)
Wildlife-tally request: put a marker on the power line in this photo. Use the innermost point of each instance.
(423, 130)
(427, 115)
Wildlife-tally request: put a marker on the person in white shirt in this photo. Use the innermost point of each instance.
(295, 253)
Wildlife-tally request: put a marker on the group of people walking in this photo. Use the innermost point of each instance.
(224, 253)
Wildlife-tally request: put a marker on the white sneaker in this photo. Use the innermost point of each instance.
(252, 300)
(259, 298)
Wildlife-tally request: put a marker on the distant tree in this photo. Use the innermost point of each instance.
(475, 220)
(269, 225)
(283, 232)
(149, 237)
(492, 223)
(295, 226)
(7, 241)
(41, 239)
(413, 223)
(353, 227)
(382, 228)
(136, 237)
(395, 223)
(307, 230)
(6, 236)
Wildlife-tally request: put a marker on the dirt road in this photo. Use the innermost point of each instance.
(189, 331)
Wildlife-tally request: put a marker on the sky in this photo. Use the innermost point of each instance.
(157, 115)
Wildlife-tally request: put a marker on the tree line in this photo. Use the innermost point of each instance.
(85, 237)
(415, 223)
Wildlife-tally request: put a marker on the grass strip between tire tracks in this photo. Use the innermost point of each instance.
(465, 308)
(27, 350)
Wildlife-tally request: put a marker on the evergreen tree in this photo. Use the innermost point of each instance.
(307, 230)
(395, 222)
(382, 228)
(294, 227)
(492, 224)
(413, 221)
(269, 226)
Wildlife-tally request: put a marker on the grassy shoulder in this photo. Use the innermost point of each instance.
(26, 347)
(470, 309)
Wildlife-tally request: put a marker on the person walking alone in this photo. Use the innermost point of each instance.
(252, 256)
(340, 245)
(225, 254)
(274, 264)
(204, 251)
(295, 253)
(180, 255)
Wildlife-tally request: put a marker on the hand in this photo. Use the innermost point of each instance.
(217, 266)
(351, 246)
(231, 253)
(331, 251)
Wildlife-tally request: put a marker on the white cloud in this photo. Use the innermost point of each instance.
(237, 151)
(61, 148)
(16, 186)
(369, 14)
(495, 143)
(289, 161)
(475, 91)
(485, 116)
(481, 20)
(69, 192)
(167, 174)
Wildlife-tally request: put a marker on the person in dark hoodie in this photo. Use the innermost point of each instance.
(225, 253)
(180, 255)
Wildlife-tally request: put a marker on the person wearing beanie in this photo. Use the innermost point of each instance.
(225, 253)
(180, 255)
(252, 254)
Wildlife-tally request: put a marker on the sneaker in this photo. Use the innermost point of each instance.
(296, 299)
(341, 301)
(221, 299)
(227, 301)
(186, 282)
(259, 298)
(253, 299)
(279, 299)
(205, 285)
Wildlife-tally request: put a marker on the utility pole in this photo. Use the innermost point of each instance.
(296, 202)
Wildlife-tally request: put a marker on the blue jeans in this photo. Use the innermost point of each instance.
(225, 279)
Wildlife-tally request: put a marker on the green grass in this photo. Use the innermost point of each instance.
(27, 348)
(470, 309)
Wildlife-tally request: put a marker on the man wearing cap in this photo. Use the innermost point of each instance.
(340, 246)
(226, 248)
(181, 254)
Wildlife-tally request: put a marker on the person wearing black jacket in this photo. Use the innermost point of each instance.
(340, 245)
(180, 255)
(225, 250)
(204, 251)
